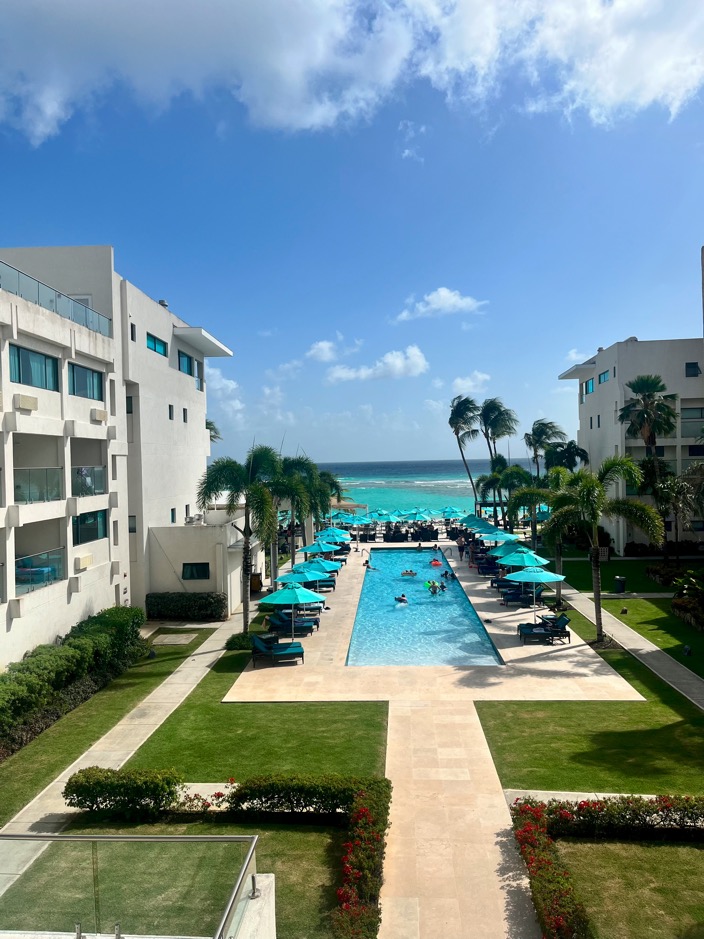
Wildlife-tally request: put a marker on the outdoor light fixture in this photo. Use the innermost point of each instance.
(256, 893)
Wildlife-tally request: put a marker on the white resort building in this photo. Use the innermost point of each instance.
(103, 400)
(602, 393)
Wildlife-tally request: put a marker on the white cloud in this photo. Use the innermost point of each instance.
(271, 405)
(564, 390)
(354, 348)
(223, 393)
(410, 153)
(323, 351)
(286, 371)
(310, 64)
(408, 364)
(435, 406)
(440, 302)
(471, 384)
(575, 356)
(437, 383)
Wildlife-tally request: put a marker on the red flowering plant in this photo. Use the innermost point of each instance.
(195, 802)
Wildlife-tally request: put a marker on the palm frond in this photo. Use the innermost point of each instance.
(640, 515)
(615, 468)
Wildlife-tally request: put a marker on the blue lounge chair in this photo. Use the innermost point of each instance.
(299, 627)
(279, 651)
(284, 620)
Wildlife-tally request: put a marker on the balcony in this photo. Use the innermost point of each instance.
(38, 484)
(89, 480)
(22, 285)
(34, 571)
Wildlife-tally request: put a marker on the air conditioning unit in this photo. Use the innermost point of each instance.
(188, 520)
(25, 403)
(99, 415)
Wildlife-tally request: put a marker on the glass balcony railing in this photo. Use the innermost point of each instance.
(38, 484)
(89, 480)
(22, 285)
(34, 571)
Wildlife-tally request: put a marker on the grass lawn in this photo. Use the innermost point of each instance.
(579, 575)
(177, 889)
(653, 619)
(651, 746)
(29, 770)
(639, 891)
(208, 741)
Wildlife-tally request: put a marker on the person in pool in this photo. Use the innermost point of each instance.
(401, 599)
(369, 567)
(408, 573)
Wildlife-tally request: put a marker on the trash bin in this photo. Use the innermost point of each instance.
(255, 582)
(620, 584)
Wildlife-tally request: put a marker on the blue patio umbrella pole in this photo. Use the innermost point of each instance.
(534, 575)
(293, 595)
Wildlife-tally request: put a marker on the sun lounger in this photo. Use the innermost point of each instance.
(542, 632)
(277, 652)
(299, 627)
(284, 620)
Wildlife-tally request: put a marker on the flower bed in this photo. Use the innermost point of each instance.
(536, 824)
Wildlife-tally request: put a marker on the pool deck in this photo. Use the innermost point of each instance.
(452, 870)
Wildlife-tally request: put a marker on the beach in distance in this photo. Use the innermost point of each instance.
(405, 484)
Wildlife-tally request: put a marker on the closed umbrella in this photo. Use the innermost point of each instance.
(293, 595)
(534, 575)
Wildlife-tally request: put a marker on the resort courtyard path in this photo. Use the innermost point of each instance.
(452, 870)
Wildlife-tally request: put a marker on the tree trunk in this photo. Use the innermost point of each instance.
(469, 473)
(596, 587)
(292, 537)
(534, 527)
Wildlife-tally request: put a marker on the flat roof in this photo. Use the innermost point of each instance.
(202, 341)
(583, 370)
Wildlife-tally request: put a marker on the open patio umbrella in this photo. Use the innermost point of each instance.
(318, 564)
(451, 511)
(523, 557)
(534, 575)
(299, 577)
(293, 595)
(334, 535)
(319, 547)
(498, 534)
(501, 550)
(417, 515)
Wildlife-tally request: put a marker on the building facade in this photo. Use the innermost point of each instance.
(602, 393)
(103, 402)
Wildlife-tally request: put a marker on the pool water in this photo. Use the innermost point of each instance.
(428, 630)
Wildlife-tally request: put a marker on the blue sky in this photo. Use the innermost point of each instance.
(376, 206)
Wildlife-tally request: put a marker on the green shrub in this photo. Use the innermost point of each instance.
(238, 641)
(325, 795)
(672, 818)
(134, 795)
(100, 647)
(187, 606)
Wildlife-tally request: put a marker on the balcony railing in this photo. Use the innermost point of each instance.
(89, 480)
(22, 285)
(38, 484)
(34, 571)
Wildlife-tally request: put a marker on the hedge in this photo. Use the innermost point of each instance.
(52, 679)
(635, 818)
(187, 606)
(361, 802)
(133, 795)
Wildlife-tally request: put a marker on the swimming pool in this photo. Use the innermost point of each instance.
(429, 630)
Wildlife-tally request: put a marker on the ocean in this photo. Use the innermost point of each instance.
(405, 485)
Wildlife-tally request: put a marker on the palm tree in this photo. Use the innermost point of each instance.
(213, 430)
(244, 483)
(542, 434)
(528, 497)
(567, 454)
(464, 414)
(678, 498)
(649, 414)
(331, 488)
(495, 422)
(585, 500)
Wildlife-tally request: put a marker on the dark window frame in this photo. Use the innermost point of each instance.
(157, 345)
(83, 527)
(195, 570)
(92, 377)
(21, 368)
(184, 359)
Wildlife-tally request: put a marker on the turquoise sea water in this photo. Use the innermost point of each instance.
(428, 630)
(403, 485)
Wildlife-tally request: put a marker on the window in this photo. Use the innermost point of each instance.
(200, 571)
(173, 516)
(660, 451)
(188, 511)
(34, 368)
(133, 332)
(199, 376)
(128, 402)
(589, 386)
(693, 414)
(185, 415)
(696, 524)
(603, 377)
(614, 371)
(171, 412)
(115, 533)
(85, 382)
(598, 420)
(692, 370)
(157, 345)
(591, 423)
(91, 526)
(132, 524)
(185, 363)
(696, 449)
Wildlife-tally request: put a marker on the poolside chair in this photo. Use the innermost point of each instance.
(299, 627)
(280, 651)
(284, 620)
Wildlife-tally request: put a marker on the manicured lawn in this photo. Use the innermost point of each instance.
(579, 575)
(653, 746)
(29, 770)
(633, 891)
(208, 741)
(653, 619)
(178, 889)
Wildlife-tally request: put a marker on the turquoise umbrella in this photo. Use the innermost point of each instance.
(293, 595)
(417, 515)
(497, 534)
(534, 575)
(320, 547)
(334, 535)
(523, 557)
(318, 564)
(501, 550)
(298, 577)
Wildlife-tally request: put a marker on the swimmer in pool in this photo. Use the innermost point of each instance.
(408, 573)
(401, 599)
